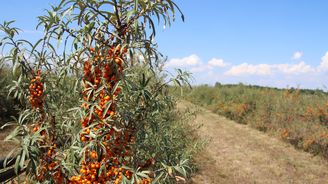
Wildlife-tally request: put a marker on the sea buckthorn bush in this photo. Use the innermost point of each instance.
(98, 109)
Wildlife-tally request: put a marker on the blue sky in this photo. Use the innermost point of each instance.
(273, 43)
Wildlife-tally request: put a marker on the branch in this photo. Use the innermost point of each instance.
(103, 15)
(117, 15)
(24, 64)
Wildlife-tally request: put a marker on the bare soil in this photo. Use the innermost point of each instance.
(237, 153)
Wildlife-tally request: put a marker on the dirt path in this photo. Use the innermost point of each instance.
(239, 154)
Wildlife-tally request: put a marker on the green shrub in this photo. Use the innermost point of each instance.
(97, 105)
(9, 106)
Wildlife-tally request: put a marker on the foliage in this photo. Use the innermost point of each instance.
(298, 116)
(125, 130)
(8, 105)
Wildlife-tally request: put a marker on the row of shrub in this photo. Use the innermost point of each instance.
(297, 116)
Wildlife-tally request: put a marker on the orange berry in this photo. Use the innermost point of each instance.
(94, 155)
(82, 171)
(118, 61)
(35, 129)
(83, 139)
(93, 177)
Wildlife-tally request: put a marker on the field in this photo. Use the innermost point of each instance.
(299, 117)
(238, 153)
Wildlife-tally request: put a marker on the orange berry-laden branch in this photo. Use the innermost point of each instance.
(48, 167)
(104, 162)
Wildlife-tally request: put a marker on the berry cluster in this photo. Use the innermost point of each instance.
(48, 167)
(100, 124)
(90, 173)
(36, 97)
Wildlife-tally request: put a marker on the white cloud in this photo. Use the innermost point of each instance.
(297, 55)
(191, 60)
(298, 68)
(217, 63)
(267, 69)
(195, 64)
(245, 68)
(324, 63)
(282, 74)
(296, 73)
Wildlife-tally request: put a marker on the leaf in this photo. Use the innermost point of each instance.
(158, 178)
(9, 157)
(181, 170)
(142, 174)
(107, 105)
(136, 5)
(22, 159)
(130, 13)
(15, 68)
(17, 164)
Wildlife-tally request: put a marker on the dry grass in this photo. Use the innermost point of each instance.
(237, 153)
(300, 117)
